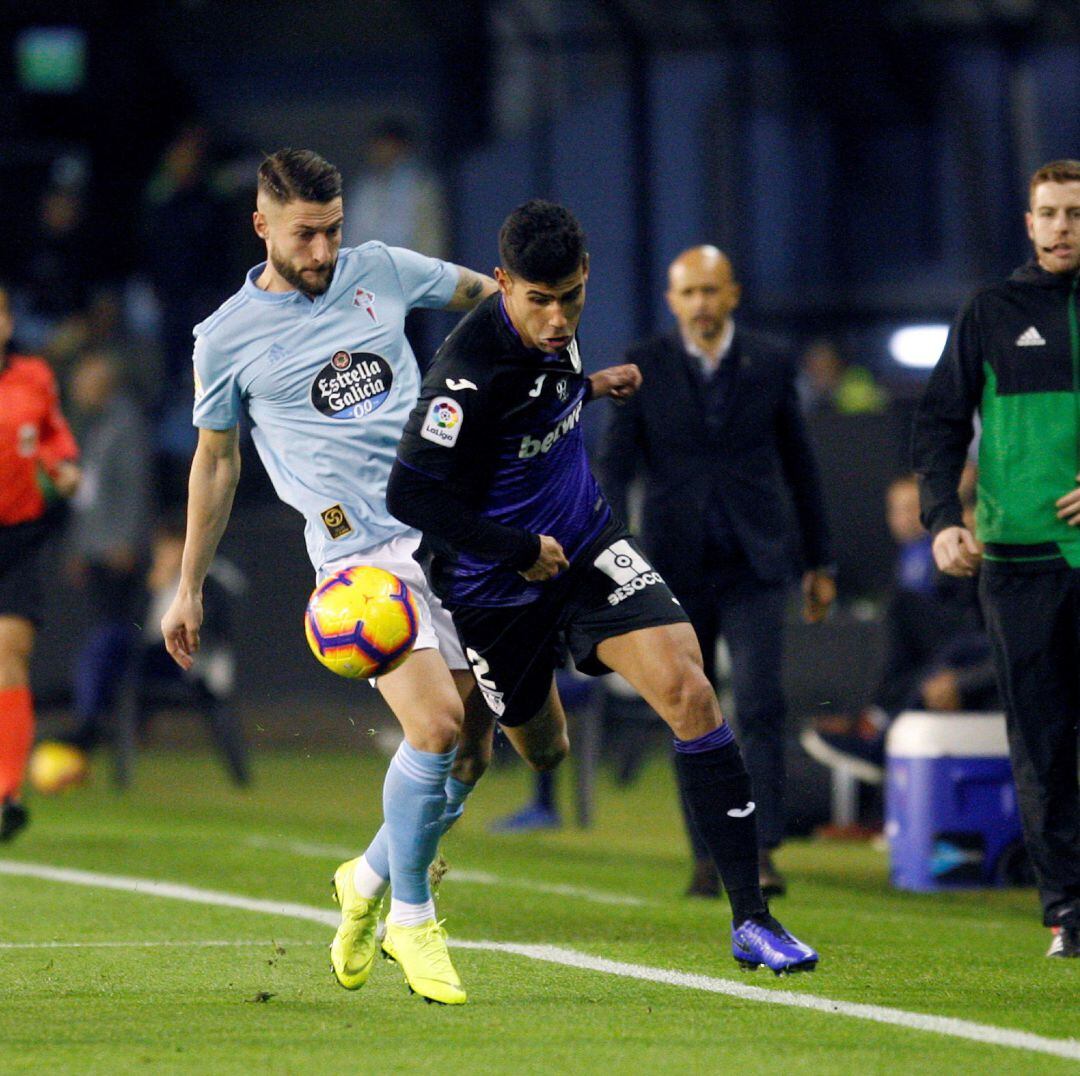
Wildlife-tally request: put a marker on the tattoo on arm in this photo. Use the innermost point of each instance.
(471, 288)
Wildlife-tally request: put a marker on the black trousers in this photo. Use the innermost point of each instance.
(730, 601)
(1032, 615)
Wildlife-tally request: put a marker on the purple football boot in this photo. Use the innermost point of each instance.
(762, 940)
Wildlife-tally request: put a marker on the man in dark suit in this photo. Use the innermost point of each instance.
(717, 436)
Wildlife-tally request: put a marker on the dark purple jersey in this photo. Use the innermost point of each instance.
(492, 456)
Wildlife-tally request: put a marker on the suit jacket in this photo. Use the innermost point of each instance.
(751, 452)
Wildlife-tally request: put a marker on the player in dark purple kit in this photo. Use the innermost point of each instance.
(521, 546)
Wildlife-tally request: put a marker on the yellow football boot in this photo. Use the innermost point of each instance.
(352, 952)
(425, 961)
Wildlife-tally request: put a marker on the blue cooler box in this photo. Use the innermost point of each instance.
(951, 815)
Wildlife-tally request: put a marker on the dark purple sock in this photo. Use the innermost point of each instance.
(716, 786)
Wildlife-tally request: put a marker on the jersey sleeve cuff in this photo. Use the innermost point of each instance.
(527, 556)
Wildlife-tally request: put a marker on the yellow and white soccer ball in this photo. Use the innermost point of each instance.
(361, 622)
(55, 766)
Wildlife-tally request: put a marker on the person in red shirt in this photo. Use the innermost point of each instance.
(37, 469)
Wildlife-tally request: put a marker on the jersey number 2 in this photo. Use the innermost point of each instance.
(480, 669)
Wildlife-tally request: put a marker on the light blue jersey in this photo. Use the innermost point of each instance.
(328, 384)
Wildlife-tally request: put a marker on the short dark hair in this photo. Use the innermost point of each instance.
(1064, 171)
(541, 242)
(298, 175)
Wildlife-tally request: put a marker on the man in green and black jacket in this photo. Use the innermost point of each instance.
(1014, 355)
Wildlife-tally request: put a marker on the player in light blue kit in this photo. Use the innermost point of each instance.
(313, 348)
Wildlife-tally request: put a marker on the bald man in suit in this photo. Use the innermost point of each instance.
(733, 510)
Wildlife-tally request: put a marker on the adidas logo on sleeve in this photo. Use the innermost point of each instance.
(1030, 337)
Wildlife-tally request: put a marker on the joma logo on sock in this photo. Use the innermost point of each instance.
(742, 812)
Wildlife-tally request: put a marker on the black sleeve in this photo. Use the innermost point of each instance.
(803, 477)
(426, 503)
(437, 466)
(943, 426)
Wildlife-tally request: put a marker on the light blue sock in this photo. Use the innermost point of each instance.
(414, 800)
(457, 792)
(378, 852)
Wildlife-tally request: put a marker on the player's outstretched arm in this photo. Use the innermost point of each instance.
(215, 470)
(618, 382)
(471, 288)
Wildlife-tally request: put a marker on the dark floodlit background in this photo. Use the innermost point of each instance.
(865, 167)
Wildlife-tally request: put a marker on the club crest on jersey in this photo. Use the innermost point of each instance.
(351, 385)
(366, 301)
(443, 421)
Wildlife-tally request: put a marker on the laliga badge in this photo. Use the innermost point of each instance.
(443, 421)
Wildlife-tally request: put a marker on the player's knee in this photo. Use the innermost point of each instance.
(471, 763)
(548, 756)
(688, 702)
(442, 728)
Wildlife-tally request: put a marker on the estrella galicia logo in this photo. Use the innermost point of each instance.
(352, 384)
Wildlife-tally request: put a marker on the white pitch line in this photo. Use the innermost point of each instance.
(334, 851)
(940, 1025)
(196, 944)
(149, 887)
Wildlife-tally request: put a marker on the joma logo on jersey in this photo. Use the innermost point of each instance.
(533, 446)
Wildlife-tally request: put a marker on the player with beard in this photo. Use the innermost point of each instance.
(521, 546)
(312, 348)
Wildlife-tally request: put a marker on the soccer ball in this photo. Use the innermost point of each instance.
(361, 622)
(55, 766)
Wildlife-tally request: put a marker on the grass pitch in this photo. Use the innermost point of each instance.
(99, 980)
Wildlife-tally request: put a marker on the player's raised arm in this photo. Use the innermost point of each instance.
(618, 382)
(215, 471)
(472, 287)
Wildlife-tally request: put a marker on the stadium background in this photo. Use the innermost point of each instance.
(864, 172)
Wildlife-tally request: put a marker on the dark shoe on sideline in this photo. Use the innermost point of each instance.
(13, 817)
(1066, 933)
(705, 881)
(772, 882)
